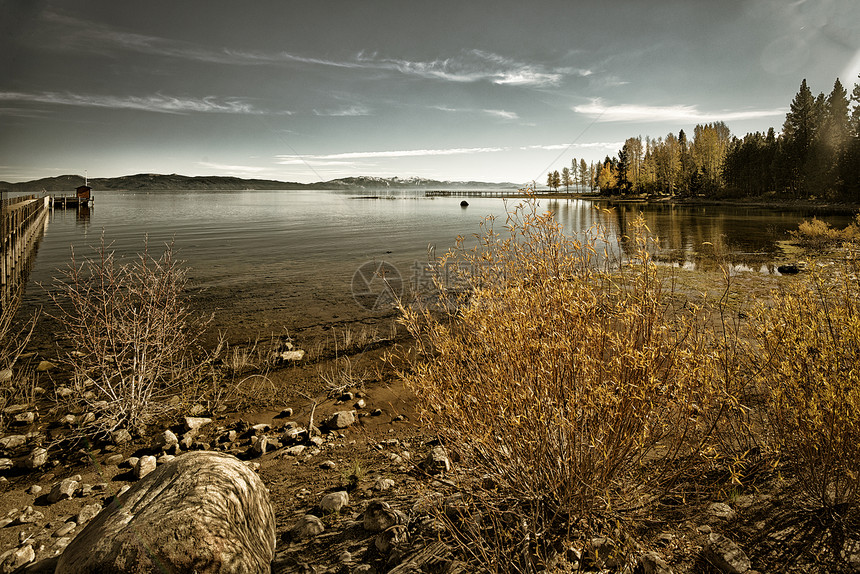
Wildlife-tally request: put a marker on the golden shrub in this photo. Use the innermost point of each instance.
(562, 372)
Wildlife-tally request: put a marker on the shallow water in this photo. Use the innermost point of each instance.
(270, 261)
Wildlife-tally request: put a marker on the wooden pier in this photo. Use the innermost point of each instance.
(472, 193)
(69, 201)
(22, 223)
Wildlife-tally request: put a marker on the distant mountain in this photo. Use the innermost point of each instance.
(158, 182)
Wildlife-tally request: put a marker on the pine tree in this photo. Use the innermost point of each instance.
(799, 129)
(566, 179)
(584, 176)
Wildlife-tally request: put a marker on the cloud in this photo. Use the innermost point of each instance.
(293, 159)
(506, 115)
(679, 113)
(466, 67)
(573, 146)
(351, 111)
(232, 168)
(475, 66)
(150, 103)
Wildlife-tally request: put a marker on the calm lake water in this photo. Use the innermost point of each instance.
(273, 261)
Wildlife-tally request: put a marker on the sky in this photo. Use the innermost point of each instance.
(458, 90)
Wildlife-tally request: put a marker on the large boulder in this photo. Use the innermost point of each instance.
(202, 512)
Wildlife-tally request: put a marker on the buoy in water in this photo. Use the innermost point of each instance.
(464, 203)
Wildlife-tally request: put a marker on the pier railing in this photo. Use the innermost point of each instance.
(22, 223)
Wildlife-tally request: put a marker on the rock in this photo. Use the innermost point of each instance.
(334, 501)
(295, 450)
(17, 558)
(294, 435)
(788, 269)
(25, 418)
(341, 420)
(346, 397)
(132, 461)
(721, 510)
(203, 511)
(114, 459)
(62, 490)
(37, 458)
(5, 375)
(308, 526)
(360, 404)
(379, 516)
(262, 445)
(328, 465)
(383, 484)
(29, 515)
(64, 392)
(6, 463)
(165, 441)
(261, 428)
(144, 466)
(120, 436)
(291, 356)
(87, 418)
(196, 410)
(194, 423)
(285, 413)
(13, 441)
(88, 512)
(387, 539)
(68, 420)
(45, 366)
(64, 530)
(653, 563)
(164, 459)
(34, 490)
(436, 461)
(725, 555)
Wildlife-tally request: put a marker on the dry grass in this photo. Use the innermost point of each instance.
(17, 381)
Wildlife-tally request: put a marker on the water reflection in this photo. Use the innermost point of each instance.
(82, 217)
(696, 237)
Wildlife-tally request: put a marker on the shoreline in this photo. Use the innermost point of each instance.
(847, 208)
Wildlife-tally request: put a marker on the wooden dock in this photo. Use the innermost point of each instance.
(69, 201)
(22, 224)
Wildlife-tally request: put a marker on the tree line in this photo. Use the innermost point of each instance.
(815, 156)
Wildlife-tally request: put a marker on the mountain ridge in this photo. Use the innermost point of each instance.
(175, 182)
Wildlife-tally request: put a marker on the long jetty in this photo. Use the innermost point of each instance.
(22, 223)
(471, 193)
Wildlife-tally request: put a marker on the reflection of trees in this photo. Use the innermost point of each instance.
(702, 237)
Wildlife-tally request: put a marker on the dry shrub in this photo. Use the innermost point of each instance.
(810, 340)
(133, 339)
(566, 379)
(820, 234)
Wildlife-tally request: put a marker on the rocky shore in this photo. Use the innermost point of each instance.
(341, 484)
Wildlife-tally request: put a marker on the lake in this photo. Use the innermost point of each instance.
(270, 262)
